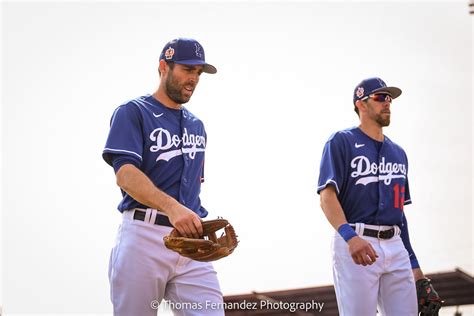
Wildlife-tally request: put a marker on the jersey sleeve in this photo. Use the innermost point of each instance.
(406, 242)
(331, 169)
(407, 187)
(119, 160)
(125, 135)
(407, 193)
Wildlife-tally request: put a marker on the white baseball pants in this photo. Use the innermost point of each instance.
(142, 271)
(388, 283)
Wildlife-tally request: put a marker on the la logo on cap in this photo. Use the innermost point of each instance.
(198, 50)
(169, 53)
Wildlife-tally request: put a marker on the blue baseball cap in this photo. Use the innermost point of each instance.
(374, 85)
(186, 51)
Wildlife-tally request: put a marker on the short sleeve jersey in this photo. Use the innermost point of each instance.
(370, 177)
(169, 145)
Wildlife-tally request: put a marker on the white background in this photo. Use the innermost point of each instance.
(286, 72)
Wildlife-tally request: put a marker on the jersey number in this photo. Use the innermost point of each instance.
(398, 196)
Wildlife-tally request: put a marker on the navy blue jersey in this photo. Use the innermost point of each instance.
(370, 177)
(168, 145)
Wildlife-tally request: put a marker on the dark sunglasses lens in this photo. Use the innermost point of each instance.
(382, 98)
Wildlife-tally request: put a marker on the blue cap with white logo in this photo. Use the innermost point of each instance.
(374, 85)
(186, 51)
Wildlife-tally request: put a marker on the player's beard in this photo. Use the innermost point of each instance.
(383, 119)
(174, 90)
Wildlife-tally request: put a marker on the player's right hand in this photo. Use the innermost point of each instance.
(362, 251)
(185, 221)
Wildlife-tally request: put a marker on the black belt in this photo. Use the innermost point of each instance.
(381, 234)
(159, 219)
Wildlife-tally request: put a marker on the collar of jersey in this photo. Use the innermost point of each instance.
(160, 105)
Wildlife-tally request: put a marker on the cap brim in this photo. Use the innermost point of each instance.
(210, 69)
(393, 91)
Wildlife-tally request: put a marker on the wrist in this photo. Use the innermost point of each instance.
(169, 205)
(346, 232)
(418, 274)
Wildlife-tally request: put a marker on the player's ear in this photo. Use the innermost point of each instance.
(162, 67)
(362, 106)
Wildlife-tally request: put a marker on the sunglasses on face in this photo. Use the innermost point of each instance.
(380, 97)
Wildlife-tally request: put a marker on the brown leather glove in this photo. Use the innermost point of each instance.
(208, 247)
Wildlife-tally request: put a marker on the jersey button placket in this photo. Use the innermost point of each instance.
(381, 183)
(184, 178)
(380, 187)
(381, 196)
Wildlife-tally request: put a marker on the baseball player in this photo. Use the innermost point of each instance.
(156, 147)
(363, 186)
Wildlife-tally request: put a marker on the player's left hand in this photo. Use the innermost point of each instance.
(429, 302)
